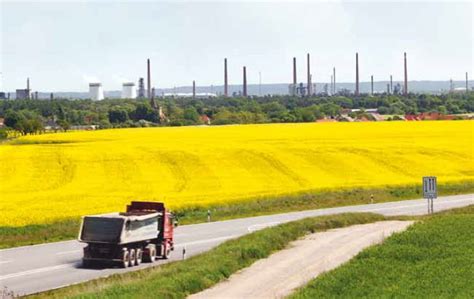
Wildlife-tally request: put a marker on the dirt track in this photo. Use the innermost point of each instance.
(282, 272)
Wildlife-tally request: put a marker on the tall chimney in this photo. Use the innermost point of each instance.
(334, 78)
(388, 88)
(405, 87)
(308, 74)
(372, 85)
(51, 96)
(294, 71)
(194, 89)
(148, 78)
(28, 88)
(467, 83)
(225, 79)
(391, 84)
(244, 89)
(357, 75)
(332, 88)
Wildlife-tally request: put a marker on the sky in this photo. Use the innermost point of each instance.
(64, 45)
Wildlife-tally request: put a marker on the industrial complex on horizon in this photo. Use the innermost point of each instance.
(131, 91)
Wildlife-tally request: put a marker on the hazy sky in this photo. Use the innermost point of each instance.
(63, 45)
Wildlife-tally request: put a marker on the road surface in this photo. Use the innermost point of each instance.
(304, 259)
(36, 268)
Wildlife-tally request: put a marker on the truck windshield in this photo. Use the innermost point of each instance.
(102, 229)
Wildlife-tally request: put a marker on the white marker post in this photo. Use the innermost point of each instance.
(430, 191)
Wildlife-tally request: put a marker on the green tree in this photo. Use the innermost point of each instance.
(118, 115)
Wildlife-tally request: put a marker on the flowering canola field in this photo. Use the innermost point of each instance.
(55, 176)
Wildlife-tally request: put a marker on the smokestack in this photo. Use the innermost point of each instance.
(332, 84)
(388, 88)
(391, 84)
(244, 89)
(357, 75)
(405, 87)
(148, 79)
(225, 79)
(308, 74)
(467, 83)
(334, 79)
(51, 96)
(294, 71)
(194, 89)
(28, 88)
(372, 85)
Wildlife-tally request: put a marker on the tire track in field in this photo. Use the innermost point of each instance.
(250, 158)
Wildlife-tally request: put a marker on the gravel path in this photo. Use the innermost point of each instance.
(282, 272)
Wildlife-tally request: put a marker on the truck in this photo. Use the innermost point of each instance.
(141, 234)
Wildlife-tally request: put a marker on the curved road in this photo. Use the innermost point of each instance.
(36, 268)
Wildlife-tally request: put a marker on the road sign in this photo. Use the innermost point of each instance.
(429, 187)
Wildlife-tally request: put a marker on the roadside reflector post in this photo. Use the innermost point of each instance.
(208, 215)
(184, 252)
(371, 198)
(430, 191)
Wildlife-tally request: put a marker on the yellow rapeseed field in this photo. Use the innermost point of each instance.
(55, 176)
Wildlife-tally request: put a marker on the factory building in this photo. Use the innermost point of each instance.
(96, 92)
(22, 94)
(129, 91)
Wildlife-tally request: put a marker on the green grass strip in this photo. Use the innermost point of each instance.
(68, 229)
(179, 279)
(434, 258)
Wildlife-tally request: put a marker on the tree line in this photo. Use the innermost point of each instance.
(31, 116)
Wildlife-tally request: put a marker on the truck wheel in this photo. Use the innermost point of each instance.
(132, 257)
(125, 258)
(166, 252)
(139, 256)
(150, 254)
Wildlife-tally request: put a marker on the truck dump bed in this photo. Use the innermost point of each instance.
(120, 228)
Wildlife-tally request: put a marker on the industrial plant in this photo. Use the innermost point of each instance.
(130, 90)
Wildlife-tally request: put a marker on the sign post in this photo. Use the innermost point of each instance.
(430, 191)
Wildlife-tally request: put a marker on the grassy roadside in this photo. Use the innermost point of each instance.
(68, 229)
(432, 259)
(179, 279)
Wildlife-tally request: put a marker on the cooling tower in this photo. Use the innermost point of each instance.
(95, 91)
(129, 91)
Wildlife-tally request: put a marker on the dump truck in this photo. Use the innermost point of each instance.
(143, 233)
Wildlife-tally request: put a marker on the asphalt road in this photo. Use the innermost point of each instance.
(36, 268)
